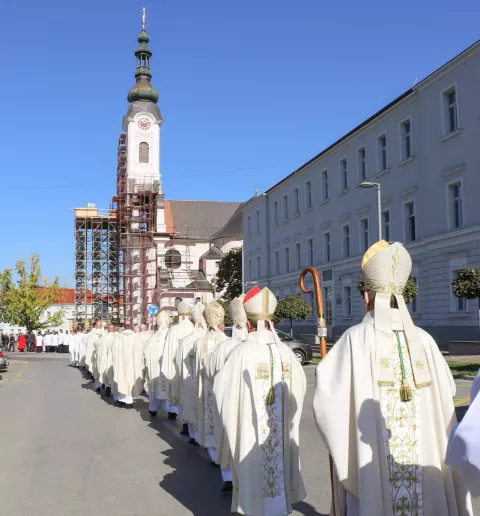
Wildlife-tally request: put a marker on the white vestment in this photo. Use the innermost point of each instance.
(213, 365)
(204, 388)
(145, 337)
(92, 339)
(463, 451)
(128, 364)
(72, 349)
(182, 386)
(389, 455)
(263, 439)
(54, 341)
(153, 352)
(66, 340)
(167, 366)
(105, 358)
(39, 342)
(47, 340)
(60, 339)
(82, 349)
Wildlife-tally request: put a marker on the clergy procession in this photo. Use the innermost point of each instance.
(383, 400)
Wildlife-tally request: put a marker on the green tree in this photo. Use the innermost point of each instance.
(25, 295)
(228, 282)
(291, 308)
(410, 292)
(467, 285)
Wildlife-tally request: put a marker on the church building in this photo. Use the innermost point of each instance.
(156, 250)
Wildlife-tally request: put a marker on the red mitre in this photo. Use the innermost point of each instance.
(255, 290)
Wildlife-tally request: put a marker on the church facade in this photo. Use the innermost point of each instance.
(163, 250)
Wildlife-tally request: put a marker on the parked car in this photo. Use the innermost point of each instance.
(302, 351)
(3, 358)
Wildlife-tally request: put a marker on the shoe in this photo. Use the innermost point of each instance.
(171, 415)
(214, 464)
(227, 487)
(120, 404)
(128, 406)
(184, 429)
(193, 442)
(98, 390)
(103, 386)
(108, 391)
(153, 413)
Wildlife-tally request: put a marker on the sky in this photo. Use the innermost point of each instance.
(249, 91)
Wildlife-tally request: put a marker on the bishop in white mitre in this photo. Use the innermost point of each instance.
(463, 452)
(105, 358)
(183, 383)
(127, 367)
(213, 365)
(259, 394)
(214, 315)
(384, 406)
(167, 365)
(153, 352)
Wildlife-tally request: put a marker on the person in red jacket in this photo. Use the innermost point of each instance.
(22, 343)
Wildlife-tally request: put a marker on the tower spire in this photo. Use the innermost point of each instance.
(143, 90)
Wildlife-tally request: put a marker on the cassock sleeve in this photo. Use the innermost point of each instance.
(334, 412)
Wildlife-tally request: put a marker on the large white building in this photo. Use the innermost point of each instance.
(424, 150)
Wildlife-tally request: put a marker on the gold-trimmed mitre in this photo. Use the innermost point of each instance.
(162, 319)
(261, 305)
(184, 309)
(214, 314)
(385, 271)
(237, 311)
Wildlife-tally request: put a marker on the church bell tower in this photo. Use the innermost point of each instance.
(143, 120)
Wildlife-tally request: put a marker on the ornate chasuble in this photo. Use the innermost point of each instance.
(402, 436)
(270, 432)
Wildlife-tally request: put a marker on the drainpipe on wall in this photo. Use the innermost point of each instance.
(267, 237)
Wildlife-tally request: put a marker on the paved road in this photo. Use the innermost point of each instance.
(66, 451)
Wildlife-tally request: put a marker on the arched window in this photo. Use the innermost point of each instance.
(144, 153)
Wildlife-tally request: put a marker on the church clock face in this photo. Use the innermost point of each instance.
(144, 124)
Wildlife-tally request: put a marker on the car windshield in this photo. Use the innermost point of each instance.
(284, 336)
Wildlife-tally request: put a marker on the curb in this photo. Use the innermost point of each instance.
(464, 377)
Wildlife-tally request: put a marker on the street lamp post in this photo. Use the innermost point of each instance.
(369, 184)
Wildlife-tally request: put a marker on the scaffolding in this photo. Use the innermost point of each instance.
(96, 266)
(135, 205)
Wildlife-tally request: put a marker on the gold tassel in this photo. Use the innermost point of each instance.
(271, 396)
(406, 391)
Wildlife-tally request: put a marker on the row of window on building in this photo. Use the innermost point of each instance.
(410, 230)
(454, 214)
(450, 125)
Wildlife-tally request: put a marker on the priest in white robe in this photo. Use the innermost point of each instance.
(105, 358)
(93, 337)
(463, 452)
(167, 366)
(213, 365)
(128, 367)
(66, 342)
(54, 342)
(40, 343)
(61, 339)
(214, 315)
(259, 394)
(47, 340)
(384, 406)
(72, 348)
(153, 352)
(182, 385)
(82, 348)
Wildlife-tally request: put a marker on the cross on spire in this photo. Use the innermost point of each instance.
(144, 11)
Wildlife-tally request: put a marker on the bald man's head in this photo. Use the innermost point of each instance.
(127, 325)
(143, 327)
(111, 328)
(98, 325)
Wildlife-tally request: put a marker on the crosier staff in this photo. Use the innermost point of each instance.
(321, 332)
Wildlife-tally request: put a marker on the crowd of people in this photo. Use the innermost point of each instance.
(383, 400)
(48, 341)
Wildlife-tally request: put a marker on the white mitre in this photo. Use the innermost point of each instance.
(197, 313)
(385, 271)
(260, 304)
(184, 309)
(162, 319)
(214, 314)
(237, 312)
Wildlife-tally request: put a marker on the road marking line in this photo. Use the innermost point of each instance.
(19, 374)
(462, 401)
